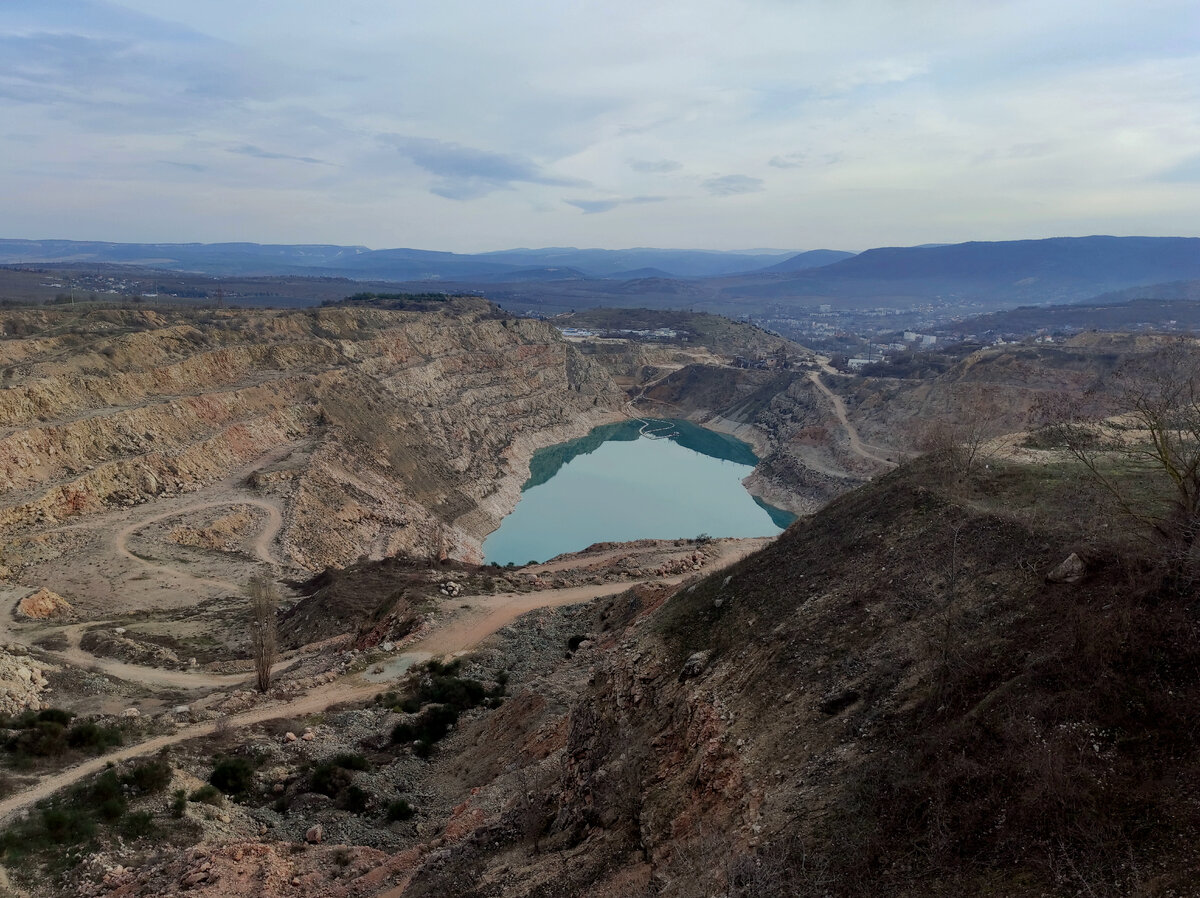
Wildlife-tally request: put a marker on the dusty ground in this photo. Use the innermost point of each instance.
(127, 559)
(187, 589)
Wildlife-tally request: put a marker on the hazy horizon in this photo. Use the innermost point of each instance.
(693, 124)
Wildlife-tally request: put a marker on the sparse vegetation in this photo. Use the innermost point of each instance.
(333, 775)
(399, 811)
(39, 736)
(1154, 439)
(441, 697)
(208, 794)
(83, 813)
(233, 776)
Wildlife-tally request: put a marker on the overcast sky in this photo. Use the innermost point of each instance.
(468, 125)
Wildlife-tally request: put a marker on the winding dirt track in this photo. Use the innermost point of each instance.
(857, 446)
(345, 691)
(485, 616)
(76, 656)
(262, 543)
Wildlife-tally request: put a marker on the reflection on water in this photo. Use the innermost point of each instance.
(633, 480)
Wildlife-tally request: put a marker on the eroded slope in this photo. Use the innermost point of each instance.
(371, 431)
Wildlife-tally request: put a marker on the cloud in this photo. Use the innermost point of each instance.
(466, 173)
(655, 166)
(733, 185)
(804, 160)
(189, 166)
(1186, 171)
(788, 160)
(259, 153)
(594, 207)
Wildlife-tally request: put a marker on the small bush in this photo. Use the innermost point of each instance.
(179, 803)
(148, 777)
(68, 826)
(42, 739)
(55, 715)
(448, 695)
(208, 794)
(334, 775)
(399, 810)
(92, 737)
(107, 785)
(233, 776)
(138, 825)
(354, 799)
(349, 761)
(111, 809)
(329, 779)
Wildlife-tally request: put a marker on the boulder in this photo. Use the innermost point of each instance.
(314, 834)
(1071, 570)
(693, 666)
(43, 605)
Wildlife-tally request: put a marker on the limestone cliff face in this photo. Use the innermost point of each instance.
(410, 430)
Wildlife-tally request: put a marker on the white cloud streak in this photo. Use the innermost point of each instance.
(468, 126)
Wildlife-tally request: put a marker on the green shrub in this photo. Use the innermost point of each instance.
(448, 695)
(333, 775)
(107, 785)
(233, 776)
(41, 739)
(93, 737)
(111, 809)
(399, 810)
(354, 799)
(55, 715)
(208, 794)
(179, 803)
(138, 825)
(329, 779)
(68, 826)
(349, 761)
(148, 777)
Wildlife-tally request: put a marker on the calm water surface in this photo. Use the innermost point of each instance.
(618, 484)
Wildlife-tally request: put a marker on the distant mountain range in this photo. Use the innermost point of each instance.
(1059, 269)
(977, 277)
(359, 262)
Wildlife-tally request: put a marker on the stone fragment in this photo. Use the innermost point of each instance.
(314, 834)
(1071, 570)
(693, 666)
(44, 604)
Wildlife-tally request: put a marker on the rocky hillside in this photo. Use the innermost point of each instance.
(904, 695)
(407, 430)
(908, 694)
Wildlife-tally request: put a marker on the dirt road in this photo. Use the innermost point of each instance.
(262, 542)
(481, 619)
(857, 446)
(347, 690)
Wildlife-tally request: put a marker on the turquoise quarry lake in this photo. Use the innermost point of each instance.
(661, 480)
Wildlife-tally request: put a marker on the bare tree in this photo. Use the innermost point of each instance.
(1147, 457)
(964, 437)
(264, 601)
